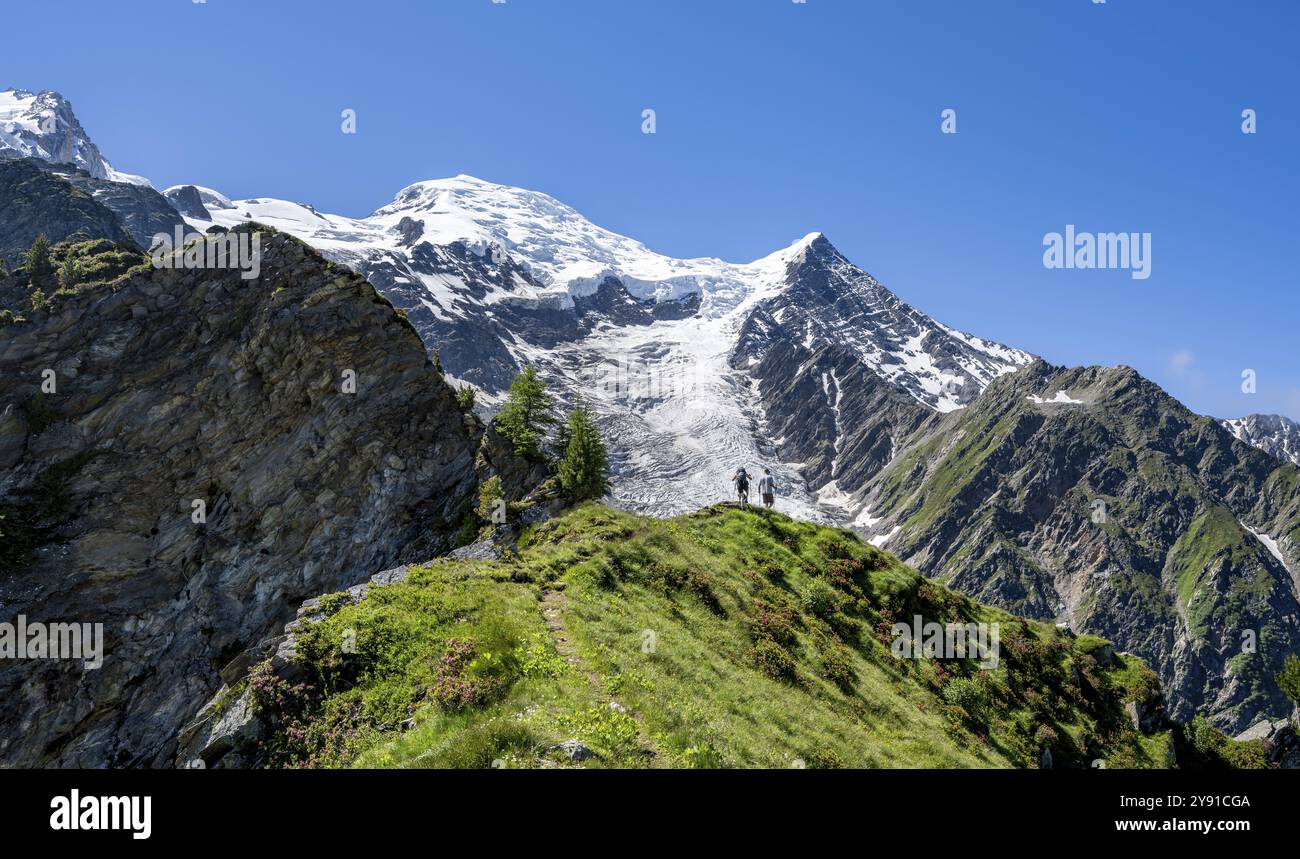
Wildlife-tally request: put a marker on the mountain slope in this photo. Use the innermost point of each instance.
(176, 386)
(1190, 559)
(592, 645)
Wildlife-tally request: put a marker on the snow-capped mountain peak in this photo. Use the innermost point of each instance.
(42, 125)
(566, 256)
(560, 248)
(832, 302)
(1273, 434)
(680, 358)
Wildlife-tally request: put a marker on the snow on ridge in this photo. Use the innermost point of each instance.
(932, 362)
(566, 253)
(1273, 434)
(1271, 545)
(1061, 397)
(16, 110)
(1276, 551)
(882, 540)
(208, 197)
(1010, 357)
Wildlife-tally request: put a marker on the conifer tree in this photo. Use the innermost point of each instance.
(583, 468)
(527, 414)
(39, 266)
(69, 273)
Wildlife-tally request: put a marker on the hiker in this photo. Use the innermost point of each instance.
(767, 488)
(741, 479)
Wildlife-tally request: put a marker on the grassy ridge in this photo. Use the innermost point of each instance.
(725, 638)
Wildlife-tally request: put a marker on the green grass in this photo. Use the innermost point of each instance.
(731, 638)
(1214, 536)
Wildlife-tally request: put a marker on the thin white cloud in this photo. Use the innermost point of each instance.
(1181, 361)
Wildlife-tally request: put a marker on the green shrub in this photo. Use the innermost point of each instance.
(965, 693)
(489, 494)
(825, 759)
(837, 666)
(39, 265)
(820, 598)
(774, 660)
(1288, 679)
(481, 745)
(1045, 736)
(772, 622)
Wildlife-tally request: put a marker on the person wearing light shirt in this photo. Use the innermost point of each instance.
(767, 488)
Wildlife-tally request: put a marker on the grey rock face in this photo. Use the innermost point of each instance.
(143, 211)
(1281, 741)
(39, 200)
(483, 550)
(831, 302)
(472, 345)
(1146, 717)
(188, 202)
(227, 731)
(829, 411)
(497, 458)
(180, 386)
(847, 373)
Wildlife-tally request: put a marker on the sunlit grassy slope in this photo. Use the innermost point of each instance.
(725, 638)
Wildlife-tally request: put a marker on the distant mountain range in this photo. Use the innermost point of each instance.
(1274, 434)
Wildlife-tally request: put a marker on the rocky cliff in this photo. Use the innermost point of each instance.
(38, 200)
(215, 450)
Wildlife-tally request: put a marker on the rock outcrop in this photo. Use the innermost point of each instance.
(142, 211)
(39, 200)
(227, 732)
(215, 450)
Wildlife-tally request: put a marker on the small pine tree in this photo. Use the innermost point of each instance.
(465, 398)
(584, 468)
(527, 414)
(489, 494)
(40, 268)
(39, 301)
(1288, 679)
(69, 273)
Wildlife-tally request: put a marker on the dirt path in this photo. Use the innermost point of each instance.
(553, 607)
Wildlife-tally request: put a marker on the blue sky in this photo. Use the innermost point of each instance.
(774, 119)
